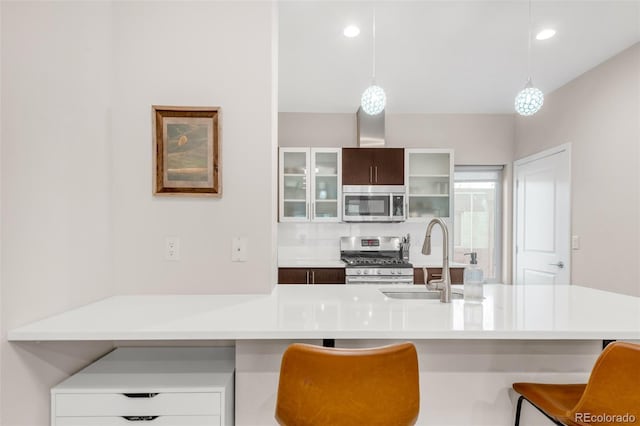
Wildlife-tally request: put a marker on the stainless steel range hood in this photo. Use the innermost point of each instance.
(370, 129)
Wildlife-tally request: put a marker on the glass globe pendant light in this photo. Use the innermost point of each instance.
(373, 99)
(530, 99)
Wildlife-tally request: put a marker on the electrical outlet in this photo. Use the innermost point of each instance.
(172, 248)
(239, 249)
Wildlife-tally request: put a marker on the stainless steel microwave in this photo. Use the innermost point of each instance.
(376, 203)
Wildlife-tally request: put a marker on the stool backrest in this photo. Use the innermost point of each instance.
(335, 387)
(614, 385)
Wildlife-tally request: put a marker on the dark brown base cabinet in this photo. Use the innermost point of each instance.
(310, 275)
(457, 275)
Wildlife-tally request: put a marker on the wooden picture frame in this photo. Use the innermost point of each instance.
(186, 142)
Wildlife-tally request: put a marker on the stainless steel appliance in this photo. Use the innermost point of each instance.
(375, 203)
(375, 260)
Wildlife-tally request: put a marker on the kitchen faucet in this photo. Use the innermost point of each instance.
(443, 284)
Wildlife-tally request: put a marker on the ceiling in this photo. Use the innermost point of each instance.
(441, 56)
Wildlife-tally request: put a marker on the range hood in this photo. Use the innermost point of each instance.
(370, 129)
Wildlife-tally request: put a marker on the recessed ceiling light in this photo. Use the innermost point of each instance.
(545, 34)
(351, 31)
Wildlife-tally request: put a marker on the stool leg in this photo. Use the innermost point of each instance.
(606, 343)
(518, 409)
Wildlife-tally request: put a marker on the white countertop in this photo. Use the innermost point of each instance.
(337, 263)
(419, 264)
(310, 263)
(350, 312)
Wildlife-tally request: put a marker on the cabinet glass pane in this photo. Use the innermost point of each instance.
(327, 209)
(428, 185)
(295, 209)
(326, 188)
(428, 164)
(428, 206)
(295, 162)
(326, 163)
(295, 187)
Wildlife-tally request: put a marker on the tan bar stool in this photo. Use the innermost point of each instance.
(335, 387)
(612, 390)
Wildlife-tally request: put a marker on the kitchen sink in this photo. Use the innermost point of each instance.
(423, 295)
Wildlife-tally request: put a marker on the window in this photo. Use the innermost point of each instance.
(478, 218)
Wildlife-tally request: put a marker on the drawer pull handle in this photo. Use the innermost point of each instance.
(139, 418)
(140, 395)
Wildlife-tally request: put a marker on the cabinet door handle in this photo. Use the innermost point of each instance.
(313, 277)
(140, 418)
(313, 211)
(370, 174)
(308, 217)
(307, 276)
(376, 174)
(140, 395)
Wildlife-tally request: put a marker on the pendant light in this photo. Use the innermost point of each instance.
(530, 99)
(373, 99)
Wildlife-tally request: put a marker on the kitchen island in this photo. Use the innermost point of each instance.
(470, 353)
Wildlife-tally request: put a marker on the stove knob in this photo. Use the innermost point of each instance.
(359, 272)
(366, 272)
(379, 272)
(392, 272)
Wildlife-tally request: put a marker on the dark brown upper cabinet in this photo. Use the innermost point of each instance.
(373, 166)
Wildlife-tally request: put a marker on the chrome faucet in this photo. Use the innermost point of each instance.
(443, 284)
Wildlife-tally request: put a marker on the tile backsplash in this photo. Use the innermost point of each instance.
(322, 240)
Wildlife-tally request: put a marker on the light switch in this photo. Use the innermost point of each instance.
(239, 249)
(575, 242)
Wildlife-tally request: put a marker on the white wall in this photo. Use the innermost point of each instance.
(476, 138)
(599, 114)
(79, 222)
(56, 243)
(199, 53)
(1, 273)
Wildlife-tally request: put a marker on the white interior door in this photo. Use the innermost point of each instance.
(543, 218)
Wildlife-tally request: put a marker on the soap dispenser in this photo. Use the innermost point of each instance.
(473, 279)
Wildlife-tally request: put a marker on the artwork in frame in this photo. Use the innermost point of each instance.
(186, 144)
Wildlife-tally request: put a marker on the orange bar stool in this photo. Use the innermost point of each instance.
(348, 387)
(611, 396)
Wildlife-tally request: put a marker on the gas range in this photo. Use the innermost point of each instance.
(376, 260)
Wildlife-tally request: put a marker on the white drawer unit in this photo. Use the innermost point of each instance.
(134, 421)
(151, 387)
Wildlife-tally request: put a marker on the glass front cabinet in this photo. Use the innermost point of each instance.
(310, 184)
(429, 183)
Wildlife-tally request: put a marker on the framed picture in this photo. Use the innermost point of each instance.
(186, 144)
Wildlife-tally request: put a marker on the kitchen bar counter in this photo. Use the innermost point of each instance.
(348, 312)
(469, 352)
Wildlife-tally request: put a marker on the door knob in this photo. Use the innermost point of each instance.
(559, 264)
